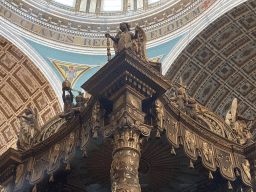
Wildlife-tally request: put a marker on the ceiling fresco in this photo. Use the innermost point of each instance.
(219, 64)
(22, 85)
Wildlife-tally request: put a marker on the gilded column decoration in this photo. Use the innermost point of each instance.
(125, 164)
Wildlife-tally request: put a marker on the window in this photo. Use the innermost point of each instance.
(112, 5)
(152, 1)
(70, 3)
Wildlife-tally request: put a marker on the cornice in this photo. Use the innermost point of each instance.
(159, 24)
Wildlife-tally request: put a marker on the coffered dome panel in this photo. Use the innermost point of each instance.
(22, 85)
(219, 64)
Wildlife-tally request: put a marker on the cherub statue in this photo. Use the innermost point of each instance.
(68, 100)
(75, 109)
(238, 123)
(29, 128)
(126, 39)
(193, 109)
(180, 96)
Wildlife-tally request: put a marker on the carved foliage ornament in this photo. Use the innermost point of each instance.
(126, 118)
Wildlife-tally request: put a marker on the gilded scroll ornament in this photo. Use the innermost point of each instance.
(246, 168)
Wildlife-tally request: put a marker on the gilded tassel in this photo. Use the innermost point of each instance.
(158, 134)
(210, 175)
(237, 173)
(191, 166)
(85, 154)
(51, 178)
(68, 167)
(173, 151)
(229, 185)
(34, 189)
(95, 134)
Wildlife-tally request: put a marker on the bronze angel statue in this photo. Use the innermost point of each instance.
(238, 123)
(126, 39)
(29, 129)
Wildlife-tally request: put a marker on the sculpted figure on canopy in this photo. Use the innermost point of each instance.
(180, 96)
(126, 39)
(238, 123)
(29, 128)
(71, 109)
